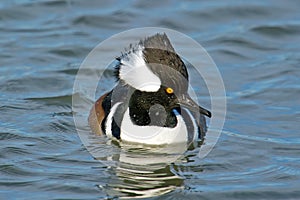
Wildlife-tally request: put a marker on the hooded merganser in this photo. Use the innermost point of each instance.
(150, 103)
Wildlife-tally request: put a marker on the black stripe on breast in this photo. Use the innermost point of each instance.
(189, 124)
(115, 129)
(106, 104)
(200, 123)
(117, 117)
(117, 120)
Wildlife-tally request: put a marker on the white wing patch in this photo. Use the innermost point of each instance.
(134, 72)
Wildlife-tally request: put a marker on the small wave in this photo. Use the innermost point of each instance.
(277, 30)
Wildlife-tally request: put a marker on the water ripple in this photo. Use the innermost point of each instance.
(277, 30)
(255, 45)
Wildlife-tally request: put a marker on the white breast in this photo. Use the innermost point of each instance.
(153, 135)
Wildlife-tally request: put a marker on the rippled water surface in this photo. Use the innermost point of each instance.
(256, 47)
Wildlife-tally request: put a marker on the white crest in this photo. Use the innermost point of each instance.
(134, 72)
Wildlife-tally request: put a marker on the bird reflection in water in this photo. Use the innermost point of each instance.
(139, 171)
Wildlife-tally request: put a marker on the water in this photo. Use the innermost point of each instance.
(254, 44)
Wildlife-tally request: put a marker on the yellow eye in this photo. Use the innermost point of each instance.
(169, 90)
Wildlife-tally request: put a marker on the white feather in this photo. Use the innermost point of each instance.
(194, 124)
(134, 72)
(153, 135)
(110, 118)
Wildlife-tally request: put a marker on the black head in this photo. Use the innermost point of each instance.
(159, 80)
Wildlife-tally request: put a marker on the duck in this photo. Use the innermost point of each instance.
(150, 103)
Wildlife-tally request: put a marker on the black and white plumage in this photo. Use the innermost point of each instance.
(150, 103)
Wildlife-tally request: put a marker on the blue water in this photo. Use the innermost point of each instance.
(256, 47)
